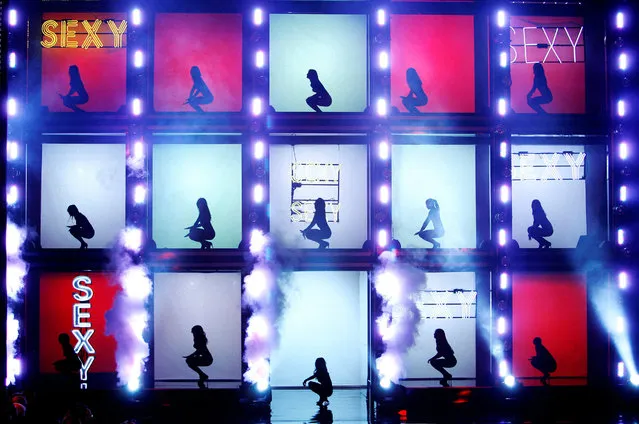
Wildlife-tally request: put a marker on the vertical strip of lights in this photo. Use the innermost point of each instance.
(137, 59)
(623, 142)
(501, 183)
(14, 34)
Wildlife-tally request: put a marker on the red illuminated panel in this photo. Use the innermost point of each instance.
(57, 306)
(553, 307)
(558, 44)
(96, 44)
(441, 49)
(210, 42)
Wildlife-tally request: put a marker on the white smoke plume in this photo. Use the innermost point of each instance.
(15, 273)
(399, 285)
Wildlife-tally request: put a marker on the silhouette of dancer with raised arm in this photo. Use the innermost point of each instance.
(541, 226)
(445, 357)
(539, 83)
(71, 362)
(82, 228)
(200, 93)
(206, 233)
(76, 87)
(321, 96)
(543, 361)
(319, 218)
(324, 386)
(416, 96)
(201, 357)
(438, 227)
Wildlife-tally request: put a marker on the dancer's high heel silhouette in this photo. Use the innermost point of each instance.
(543, 361)
(82, 228)
(438, 227)
(200, 93)
(206, 233)
(321, 96)
(539, 83)
(445, 357)
(319, 218)
(541, 226)
(201, 357)
(324, 386)
(416, 96)
(76, 86)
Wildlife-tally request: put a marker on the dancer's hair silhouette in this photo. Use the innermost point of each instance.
(541, 226)
(543, 361)
(82, 228)
(76, 86)
(319, 219)
(206, 233)
(200, 93)
(321, 96)
(416, 96)
(445, 357)
(71, 362)
(324, 387)
(539, 83)
(435, 218)
(201, 357)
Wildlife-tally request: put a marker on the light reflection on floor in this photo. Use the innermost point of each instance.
(298, 406)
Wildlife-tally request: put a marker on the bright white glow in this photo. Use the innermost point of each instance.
(138, 150)
(13, 363)
(382, 238)
(258, 16)
(16, 270)
(621, 369)
(13, 17)
(502, 237)
(621, 324)
(623, 280)
(132, 239)
(383, 60)
(133, 386)
(621, 108)
(12, 107)
(389, 368)
(258, 242)
(620, 20)
(256, 106)
(501, 19)
(138, 59)
(504, 193)
(623, 61)
(621, 237)
(259, 326)
(384, 150)
(258, 193)
(503, 149)
(623, 150)
(137, 107)
(388, 286)
(623, 193)
(139, 194)
(259, 150)
(12, 150)
(501, 325)
(12, 60)
(262, 385)
(503, 59)
(503, 281)
(635, 380)
(136, 17)
(503, 368)
(260, 59)
(14, 238)
(136, 283)
(385, 383)
(255, 284)
(509, 381)
(384, 194)
(12, 195)
(381, 17)
(382, 108)
(501, 107)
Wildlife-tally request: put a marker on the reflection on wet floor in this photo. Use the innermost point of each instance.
(298, 406)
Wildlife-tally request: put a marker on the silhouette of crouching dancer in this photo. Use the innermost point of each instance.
(540, 83)
(324, 387)
(82, 228)
(541, 226)
(445, 357)
(200, 93)
(321, 96)
(416, 96)
(201, 357)
(323, 232)
(206, 233)
(543, 361)
(438, 228)
(76, 86)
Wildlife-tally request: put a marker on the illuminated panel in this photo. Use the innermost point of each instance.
(83, 61)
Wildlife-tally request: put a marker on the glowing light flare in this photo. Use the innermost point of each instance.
(623, 61)
(258, 326)
(12, 150)
(501, 326)
(620, 20)
(258, 242)
(138, 150)
(259, 150)
(623, 193)
(634, 380)
(503, 59)
(13, 362)
(621, 369)
(622, 280)
(136, 17)
(16, 271)
(621, 108)
(258, 16)
(132, 239)
(389, 367)
(139, 194)
(136, 107)
(621, 237)
(504, 193)
(501, 107)
(382, 238)
(383, 60)
(503, 149)
(503, 281)
(623, 150)
(13, 59)
(12, 195)
(501, 19)
(381, 17)
(256, 284)
(258, 371)
(13, 17)
(503, 368)
(260, 59)
(136, 283)
(12, 107)
(385, 383)
(387, 285)
(138, 59)
(501, 236)
(133, 386)
(620, 325)
(262, 385)
(384, 194)
(384, 150)
(509, 381)
(256, 106)
(382, 107)
(258, 193)
(14, 238)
